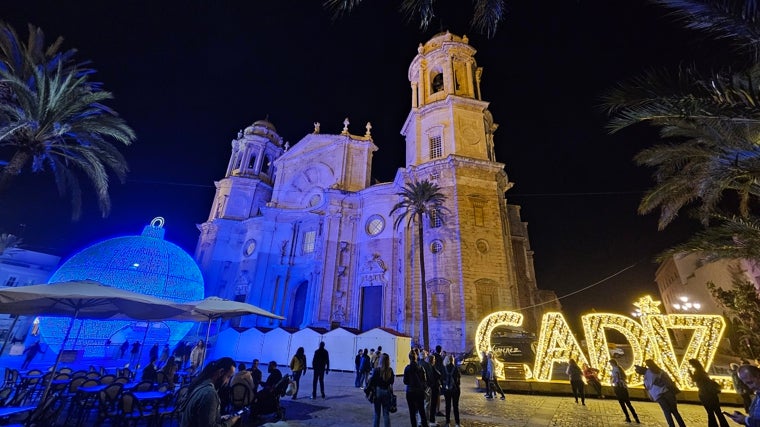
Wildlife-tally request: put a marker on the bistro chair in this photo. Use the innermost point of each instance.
(65, 371)
(5, 395)
(240, 396)
(107, 379)
(130, 411)
(171, 409)
(146, 385)
(108, 403)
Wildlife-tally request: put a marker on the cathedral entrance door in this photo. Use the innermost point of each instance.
(299, 306)
(372, 307)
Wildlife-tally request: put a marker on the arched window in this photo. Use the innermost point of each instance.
(252, 162)
(438, 82)
(267, 164)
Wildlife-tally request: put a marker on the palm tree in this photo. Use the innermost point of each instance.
(8, 242)
(712, 125)
(420, 200)
(486, 14)
(52, 118)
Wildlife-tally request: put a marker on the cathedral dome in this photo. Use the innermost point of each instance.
(266, 129)
(146, 264)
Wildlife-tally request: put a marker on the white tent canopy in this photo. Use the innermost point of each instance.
(276, 347)
(309, 339)
(395, 344)
(251, 343)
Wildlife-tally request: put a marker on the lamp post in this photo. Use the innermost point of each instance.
(686, 305)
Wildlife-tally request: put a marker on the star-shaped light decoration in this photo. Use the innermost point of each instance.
(647, 305)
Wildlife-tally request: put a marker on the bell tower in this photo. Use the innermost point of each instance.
(448, 115)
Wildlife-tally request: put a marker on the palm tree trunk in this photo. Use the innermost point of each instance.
(423, 292)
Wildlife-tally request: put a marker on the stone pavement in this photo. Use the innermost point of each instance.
(346, 406)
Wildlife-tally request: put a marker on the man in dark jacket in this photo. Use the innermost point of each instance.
(434, 382)
(320, 363)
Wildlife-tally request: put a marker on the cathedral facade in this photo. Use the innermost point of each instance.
(300, 231)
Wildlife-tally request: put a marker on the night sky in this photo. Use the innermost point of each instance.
(187, 75)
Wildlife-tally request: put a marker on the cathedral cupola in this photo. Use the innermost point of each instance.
(254, 150)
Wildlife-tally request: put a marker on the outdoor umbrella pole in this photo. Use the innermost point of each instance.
(142, 346)
(10, 333)
(58, 358)
(205, 344)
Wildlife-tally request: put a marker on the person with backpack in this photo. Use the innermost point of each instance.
(415, 381)
(619, 384)
(450, 387)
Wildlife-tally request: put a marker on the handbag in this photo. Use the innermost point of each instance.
(370, 393)
(292, 389)
(393, 407)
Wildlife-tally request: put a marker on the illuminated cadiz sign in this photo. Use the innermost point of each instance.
(648, 337)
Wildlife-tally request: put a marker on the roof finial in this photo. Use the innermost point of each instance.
(369, 129)
(316, 127)
(345, 126)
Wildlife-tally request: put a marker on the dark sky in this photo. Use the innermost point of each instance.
(188, 74)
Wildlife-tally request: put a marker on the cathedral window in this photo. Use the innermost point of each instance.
(252, 162)
(309, 238)
(435, 219)
(267, 165)
(11, 281)
(436, 247)
(436, 147)
(438, 305)
(435, 176)
(478, 213)
(375, 225)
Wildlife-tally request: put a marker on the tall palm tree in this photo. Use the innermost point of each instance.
(52, 119)
(420, 200)
(486, 14)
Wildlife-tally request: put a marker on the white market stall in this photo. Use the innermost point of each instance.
(308, 338)
(395, 344)
(276, 347)
(341, 343)
(251, 344)
(227, 343)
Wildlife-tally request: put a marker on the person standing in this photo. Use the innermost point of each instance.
(484, 372)
(576, 380)
(170, 370)
(708, 394)
(30, 352)
(450, 384)
(662, 390)
(197, 354)
(382, 382)
(434, 382)
(123, 349)
(749, 375)
(298, 367)
(415, 380)
(135, 355)
(739, 387)
(378, 354)
(153, 353)
(590, 374)
(493, 381)
(439, 363)
(619, 384)
(366, 367)
(320, 363)
(203, 406)
(358, 366)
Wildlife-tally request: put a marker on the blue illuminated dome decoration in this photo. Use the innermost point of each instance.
(147, 264)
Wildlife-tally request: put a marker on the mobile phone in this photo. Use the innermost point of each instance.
(240, 412)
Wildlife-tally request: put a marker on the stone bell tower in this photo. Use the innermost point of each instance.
(469, 255)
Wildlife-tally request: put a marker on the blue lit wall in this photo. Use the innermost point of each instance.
(147, 264)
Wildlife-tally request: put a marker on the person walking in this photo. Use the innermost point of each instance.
(662, 390)
(415, 381)
(320, 364)
(619, 384)
(382, 383)
(708, 394)
(493, 382)
(31, 352)
(298, 367)
(450, 385)
(202, 407)
(749, 375)
(592, 379)
(484, 372)
(575, 374)
(739, 387)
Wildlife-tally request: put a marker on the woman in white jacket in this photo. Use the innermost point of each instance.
(662, 390)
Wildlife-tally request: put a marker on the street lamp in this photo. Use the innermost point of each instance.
(686, 305)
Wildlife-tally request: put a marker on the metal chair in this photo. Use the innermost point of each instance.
(240, 396)
(171, 409)
(144, 386)
(130, 410)
(108, 403)
(107, 379)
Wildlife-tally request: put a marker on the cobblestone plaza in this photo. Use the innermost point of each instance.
(346, 406)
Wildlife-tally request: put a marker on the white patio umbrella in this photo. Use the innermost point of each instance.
(213, 308)
(86, 299)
